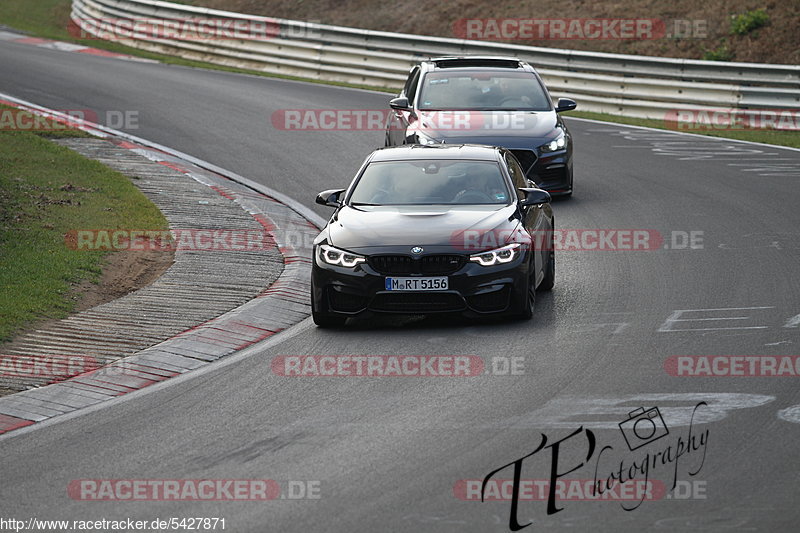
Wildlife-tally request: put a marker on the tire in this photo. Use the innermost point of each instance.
(549, 279)
(526, 313)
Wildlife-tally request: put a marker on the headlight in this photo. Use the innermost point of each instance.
(506, 254)
(559, 143)
(335, 256)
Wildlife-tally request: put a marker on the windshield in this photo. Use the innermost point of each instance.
(426, 182)
(482, 90)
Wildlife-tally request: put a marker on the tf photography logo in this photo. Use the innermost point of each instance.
(649, 452)
(643, 427)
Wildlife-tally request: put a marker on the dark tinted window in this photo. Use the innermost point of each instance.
(517, 175)
(410, 88)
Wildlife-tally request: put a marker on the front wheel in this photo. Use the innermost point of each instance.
(526, 313)
(549, 279)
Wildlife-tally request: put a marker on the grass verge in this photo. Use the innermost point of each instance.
(45, 191)
(50, 19)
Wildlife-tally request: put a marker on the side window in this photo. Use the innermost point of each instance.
(410, 89)
(517, 175)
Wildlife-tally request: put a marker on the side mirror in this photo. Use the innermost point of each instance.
(400, 103)
(534, 197)
(330, 197)
(565, 104)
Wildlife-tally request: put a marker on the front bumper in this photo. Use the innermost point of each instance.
(551, 172)
(473, 290)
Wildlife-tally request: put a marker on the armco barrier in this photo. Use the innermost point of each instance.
(636, 86)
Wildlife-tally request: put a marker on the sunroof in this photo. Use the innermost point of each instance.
(476, 62)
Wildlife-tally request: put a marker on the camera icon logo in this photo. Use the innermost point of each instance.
(643, 427)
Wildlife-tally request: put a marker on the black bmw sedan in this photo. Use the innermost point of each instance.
(433, 228)
(487, 100)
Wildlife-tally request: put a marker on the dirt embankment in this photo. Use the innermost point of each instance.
(706, 25)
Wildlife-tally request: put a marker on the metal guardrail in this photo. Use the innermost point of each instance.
(635, 86)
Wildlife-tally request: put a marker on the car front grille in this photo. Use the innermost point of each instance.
(438, 265)
(527, 158)
(417, 302)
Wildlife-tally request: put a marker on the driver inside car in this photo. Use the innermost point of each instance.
(479, 188)
(508, 93)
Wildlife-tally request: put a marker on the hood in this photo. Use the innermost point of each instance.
(512, 129)
(355, 229)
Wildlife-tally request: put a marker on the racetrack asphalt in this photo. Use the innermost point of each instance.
(386, 453)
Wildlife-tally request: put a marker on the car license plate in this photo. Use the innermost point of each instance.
(416, 284)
